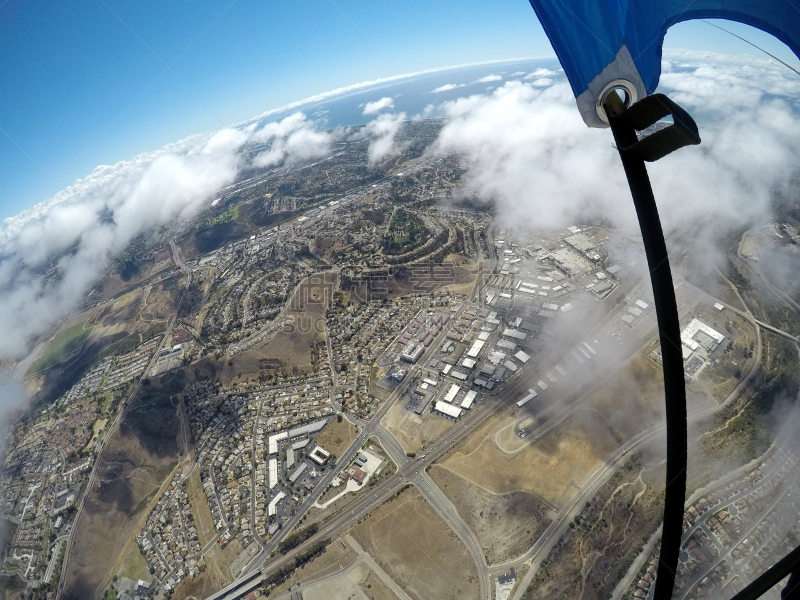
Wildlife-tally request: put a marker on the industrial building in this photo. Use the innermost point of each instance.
(530, 396)
(447, 409)
(469, 399)
(452, 393)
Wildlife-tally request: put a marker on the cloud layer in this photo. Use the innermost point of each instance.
(82, 227)
(524, 145)
(527, 148)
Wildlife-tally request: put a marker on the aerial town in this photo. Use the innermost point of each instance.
(341, 381)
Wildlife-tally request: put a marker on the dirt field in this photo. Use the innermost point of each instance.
(134, 463)
(418, 550)
(506, 525)
(203, 520)
(412, 431)
(550, 467)
(337, 436)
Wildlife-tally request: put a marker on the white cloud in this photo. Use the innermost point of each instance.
(528, 150)
(541, 72)
(517, 73)
(383, 131)
(488, 79)
(375, 107)
(447, 87)
(149, 190)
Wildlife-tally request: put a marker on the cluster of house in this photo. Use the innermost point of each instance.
(131, 364)
(168, 540)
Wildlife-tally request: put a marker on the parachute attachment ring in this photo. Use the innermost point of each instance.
(630, 96)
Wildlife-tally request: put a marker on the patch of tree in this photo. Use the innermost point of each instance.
(300, 561)
(129, 262)
(191, 300)
(296, 539)
(216, 236)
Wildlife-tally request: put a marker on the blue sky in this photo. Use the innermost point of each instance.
(100, 81)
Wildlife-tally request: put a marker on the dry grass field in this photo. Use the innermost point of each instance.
(551, 467)
(506, 525)
(337, 436)
(418, 550)
(132, 468)
(290, 347)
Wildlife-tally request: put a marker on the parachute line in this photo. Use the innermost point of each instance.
(788, 66)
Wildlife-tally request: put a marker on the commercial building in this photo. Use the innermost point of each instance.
(272, 507)
(319, 455)
(447, 409)
(412, 352)
(298, 472)
(522, 357)
(273, 472)
(530, 396)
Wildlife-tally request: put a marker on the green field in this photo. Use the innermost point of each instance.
(63, 343)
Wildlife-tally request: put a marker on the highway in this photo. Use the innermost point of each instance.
(413, 472)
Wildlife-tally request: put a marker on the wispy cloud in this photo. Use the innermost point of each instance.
(383, 131)
(489, 79)
(447, 87)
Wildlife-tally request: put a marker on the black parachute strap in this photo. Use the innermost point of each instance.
(625, 122)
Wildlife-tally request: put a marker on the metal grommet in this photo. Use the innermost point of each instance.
(618, 84)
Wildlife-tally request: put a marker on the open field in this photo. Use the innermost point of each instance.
(506, 525)
(412, 431)
(552, 467)
(64, 342)
(203, 520)
(418, 550)
(290, 349)
(337, 436)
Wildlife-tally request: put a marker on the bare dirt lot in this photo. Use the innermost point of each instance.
(418, 550)
(135, 461)
(506, 525)
(412, 431)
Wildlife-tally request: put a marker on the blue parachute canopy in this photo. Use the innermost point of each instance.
(616, 44)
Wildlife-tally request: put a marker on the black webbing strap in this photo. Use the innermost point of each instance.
(788, 564)
(624, 125)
